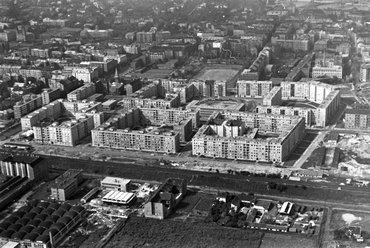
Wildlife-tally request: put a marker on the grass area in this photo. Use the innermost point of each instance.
(145, 232)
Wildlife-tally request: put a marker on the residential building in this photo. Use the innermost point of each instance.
(274, 97)
(27, 105)
(82, 93)
(248, 136)
(253, 89)
(209, 88)
(357, 119)
(68, 133)
(208, 106)
(49, 95)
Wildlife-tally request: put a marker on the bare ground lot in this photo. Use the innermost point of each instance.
(145, 232)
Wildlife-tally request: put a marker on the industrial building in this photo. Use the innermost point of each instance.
(249, 136)
(253, 89)
(118, 197)
(115, 184)
(66, 185)
(41, 224)
(161, 203)
(23, 165)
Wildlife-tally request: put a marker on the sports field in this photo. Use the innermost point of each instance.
(217, 74)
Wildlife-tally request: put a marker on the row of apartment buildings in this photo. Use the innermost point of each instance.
(248, 136)
(147, 129)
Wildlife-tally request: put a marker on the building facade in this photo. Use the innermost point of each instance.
(253, 89)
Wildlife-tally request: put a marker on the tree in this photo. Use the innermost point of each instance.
(272, 185)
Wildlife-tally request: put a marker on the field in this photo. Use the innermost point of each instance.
(217, 74)
(145, 232)
(273, 240)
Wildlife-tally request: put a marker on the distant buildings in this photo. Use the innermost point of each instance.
(165, 198)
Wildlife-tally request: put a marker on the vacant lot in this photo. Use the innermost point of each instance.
(145, 232)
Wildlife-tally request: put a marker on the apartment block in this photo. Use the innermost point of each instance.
(311, 90)
(28, 104)
(52, 111)
(49, 95)
(307, 113)
(253, 89)
(160, 116)
(66, 133)
(83, 92)
(209, 88)
(357, 119)
(86, 74)
(327, 108)
(248, 136)
(274, 97)
(208, 106)
(170, 101)
(332, 71)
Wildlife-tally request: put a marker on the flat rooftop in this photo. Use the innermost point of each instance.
(115, 180)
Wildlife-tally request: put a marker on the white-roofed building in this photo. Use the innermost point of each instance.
(118, 197)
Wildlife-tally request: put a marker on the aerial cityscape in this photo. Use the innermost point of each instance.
(185, 123)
